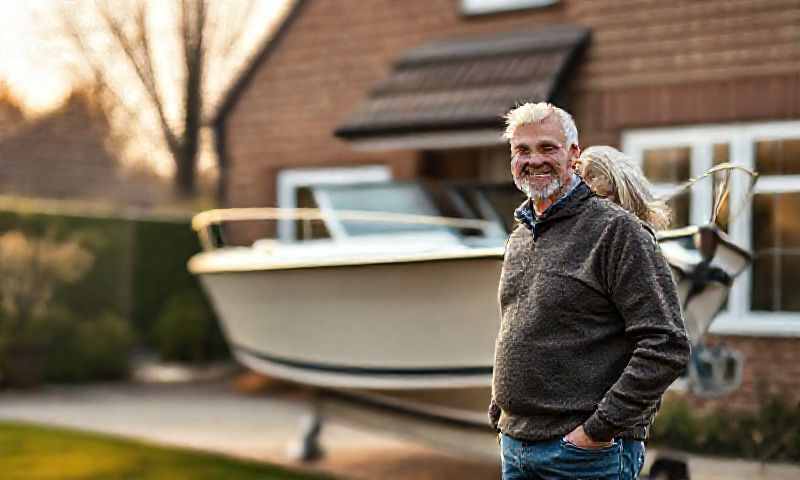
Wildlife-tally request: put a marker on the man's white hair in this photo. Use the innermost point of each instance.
(528, 113)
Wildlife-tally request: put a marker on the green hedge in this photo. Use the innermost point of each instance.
(139, 268)
(186, 330)
(81, 350)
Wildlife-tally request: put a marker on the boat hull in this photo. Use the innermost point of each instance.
(418, 324)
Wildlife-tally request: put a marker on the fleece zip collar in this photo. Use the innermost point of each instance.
(566, 206)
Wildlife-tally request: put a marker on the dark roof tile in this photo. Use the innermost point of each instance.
(466, 81)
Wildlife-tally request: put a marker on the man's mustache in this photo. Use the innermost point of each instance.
(527, 169)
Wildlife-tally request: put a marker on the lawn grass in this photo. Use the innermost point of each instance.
(43, 453)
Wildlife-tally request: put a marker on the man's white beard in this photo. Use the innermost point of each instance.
(541, 194)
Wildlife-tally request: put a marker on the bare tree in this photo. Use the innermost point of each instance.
(204, 33)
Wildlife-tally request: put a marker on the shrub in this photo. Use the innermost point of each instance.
(59, 347)
(31, 268)
(83, 350)
(23, 352)
(676, 425)
(138, 266)
(771, 433)
(161, 252)
(187, 331)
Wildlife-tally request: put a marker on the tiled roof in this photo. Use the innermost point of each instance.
(466, 82)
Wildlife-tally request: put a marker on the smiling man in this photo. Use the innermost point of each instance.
(591, 332)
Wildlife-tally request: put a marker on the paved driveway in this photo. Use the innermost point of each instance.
(213, 416)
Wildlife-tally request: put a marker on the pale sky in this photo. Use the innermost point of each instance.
(24, 63)
(39, 69)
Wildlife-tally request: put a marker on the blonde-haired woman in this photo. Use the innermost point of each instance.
(612, 174)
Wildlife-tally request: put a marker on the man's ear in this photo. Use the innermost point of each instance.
(575, 153)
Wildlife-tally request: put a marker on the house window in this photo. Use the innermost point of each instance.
(480, 7)
(776, 228)
(667, 168)
(294, 188)
(762, 300)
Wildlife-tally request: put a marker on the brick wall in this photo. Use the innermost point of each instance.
(650, 63)
(771, 367)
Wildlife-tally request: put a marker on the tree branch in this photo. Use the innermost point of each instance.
(143, 69)
(96, 68)
(235, 37)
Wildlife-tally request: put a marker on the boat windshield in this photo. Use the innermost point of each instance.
(406, 198)
(493, 204)
(411, 214)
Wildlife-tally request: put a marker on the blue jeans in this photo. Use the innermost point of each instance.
(558, 459)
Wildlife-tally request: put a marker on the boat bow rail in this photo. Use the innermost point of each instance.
(206, 222)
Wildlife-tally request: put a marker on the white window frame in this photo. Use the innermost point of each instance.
(481, 7)
(741, 138)
(290, 180)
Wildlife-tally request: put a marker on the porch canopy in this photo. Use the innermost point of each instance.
(453, 93)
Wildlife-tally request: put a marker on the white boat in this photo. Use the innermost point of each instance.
(394, 316)
(332, 317)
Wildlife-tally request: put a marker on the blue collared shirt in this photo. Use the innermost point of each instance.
(525, 213)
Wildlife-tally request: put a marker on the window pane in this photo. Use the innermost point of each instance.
(764, 234)
(305, 229)
(490, 201)
(776, 245)
(721, 153)
(505, 201)
(776, 157)
(681, 210)
(764, 267)
(667, 165)
(790, 280)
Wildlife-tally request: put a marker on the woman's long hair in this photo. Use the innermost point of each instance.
(613, 174)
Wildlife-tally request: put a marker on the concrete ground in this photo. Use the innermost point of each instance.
(216, 417)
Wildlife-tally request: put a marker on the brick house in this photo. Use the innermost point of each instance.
(415, 89)
(67, 154)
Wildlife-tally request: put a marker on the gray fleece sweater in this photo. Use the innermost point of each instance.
(591, 330)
